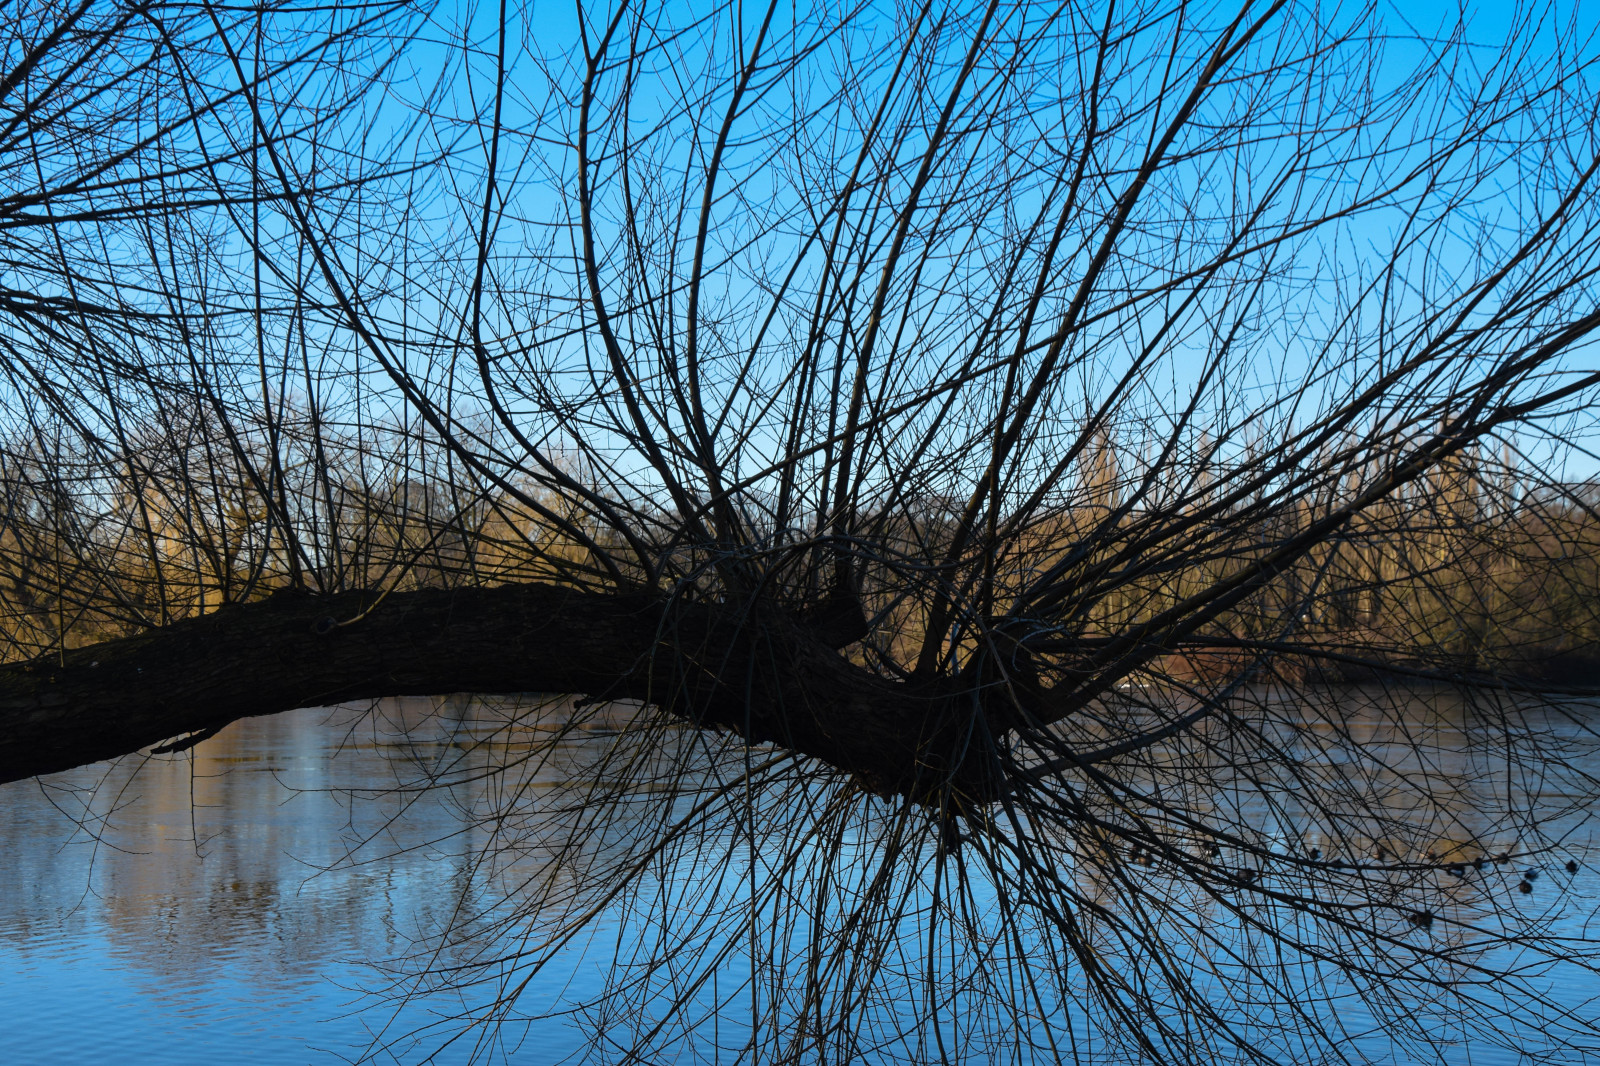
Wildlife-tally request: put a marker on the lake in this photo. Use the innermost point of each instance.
(275, 893)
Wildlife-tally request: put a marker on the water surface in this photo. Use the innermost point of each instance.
(253, 897)
(233, 901)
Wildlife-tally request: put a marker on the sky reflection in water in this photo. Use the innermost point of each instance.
(237, 899)
(219, 915)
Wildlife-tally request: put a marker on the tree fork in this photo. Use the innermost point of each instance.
(754, 672)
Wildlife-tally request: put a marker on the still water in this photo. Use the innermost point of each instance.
(255, 897)
(234, 902)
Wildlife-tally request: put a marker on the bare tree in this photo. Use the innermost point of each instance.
(986, 444)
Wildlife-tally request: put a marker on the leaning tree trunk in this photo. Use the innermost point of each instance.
(756, 673)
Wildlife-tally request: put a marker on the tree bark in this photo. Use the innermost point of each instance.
(766, 678)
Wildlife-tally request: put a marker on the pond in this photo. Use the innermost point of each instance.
(272, 894)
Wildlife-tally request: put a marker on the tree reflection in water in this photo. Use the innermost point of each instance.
(682, 898)
(526, 873)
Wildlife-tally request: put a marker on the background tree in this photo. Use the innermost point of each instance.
(974, 438)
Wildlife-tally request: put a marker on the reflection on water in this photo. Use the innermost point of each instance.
(249, 897)
(233, 902)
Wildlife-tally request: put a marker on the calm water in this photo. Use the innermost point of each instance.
(233, 904)
(244, 900)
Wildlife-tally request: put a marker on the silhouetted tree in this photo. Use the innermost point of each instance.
(976, 439)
